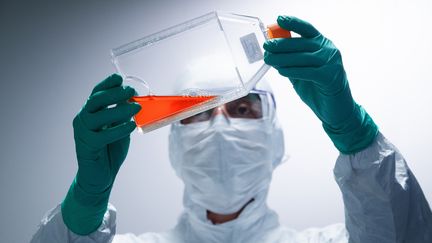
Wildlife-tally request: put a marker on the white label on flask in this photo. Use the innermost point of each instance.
(251, 47)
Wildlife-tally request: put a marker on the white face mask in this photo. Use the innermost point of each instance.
(225, 163)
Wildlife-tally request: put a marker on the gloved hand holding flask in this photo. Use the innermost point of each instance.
(101, 132)
(314, 66)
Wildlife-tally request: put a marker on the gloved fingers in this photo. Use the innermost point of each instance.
(86, 140)
(96, 140)
(297, 25)
(294, 59)
(311, 74)
(116, 123)
(282, 45)
(104, 98)
(112, 81)
(90, 142)
(112, 134)
(106, 117)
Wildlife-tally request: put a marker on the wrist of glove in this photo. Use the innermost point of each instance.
(314, 66)
(83, 212)
(348, 125)
(355, 134)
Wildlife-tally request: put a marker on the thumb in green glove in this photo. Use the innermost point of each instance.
(101, 132)
(314, 66)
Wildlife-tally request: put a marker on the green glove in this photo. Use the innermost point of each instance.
(314, 66)
(101, 132)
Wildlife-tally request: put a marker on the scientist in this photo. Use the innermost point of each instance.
(227, 155)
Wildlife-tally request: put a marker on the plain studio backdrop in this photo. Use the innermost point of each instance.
(53, 53)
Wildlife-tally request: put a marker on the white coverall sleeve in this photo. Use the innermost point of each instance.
(383, 200)
(52, 229)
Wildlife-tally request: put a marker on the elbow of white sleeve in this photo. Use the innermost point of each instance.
(383, 200)
(53, 229)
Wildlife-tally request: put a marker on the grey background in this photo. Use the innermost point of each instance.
(53, 52)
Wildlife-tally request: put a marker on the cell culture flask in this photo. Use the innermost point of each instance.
(193, 66)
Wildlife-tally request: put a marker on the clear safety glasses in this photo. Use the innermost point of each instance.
(257, 104)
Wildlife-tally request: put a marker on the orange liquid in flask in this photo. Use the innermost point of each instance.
(155, 108)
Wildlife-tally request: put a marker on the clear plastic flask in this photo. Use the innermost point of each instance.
(194, 66)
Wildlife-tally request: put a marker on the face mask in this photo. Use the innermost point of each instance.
(225, 163)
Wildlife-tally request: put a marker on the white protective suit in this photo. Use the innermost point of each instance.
(383, 201)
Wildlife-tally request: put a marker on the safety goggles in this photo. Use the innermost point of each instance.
(258, 104)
